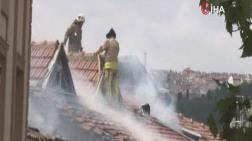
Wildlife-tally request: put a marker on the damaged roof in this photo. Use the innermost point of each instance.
(34, 134)
(49, 67)
(88, 69)
(96, 122)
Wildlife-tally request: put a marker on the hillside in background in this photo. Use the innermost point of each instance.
(200, 108)
(197, 93)
(194, 84)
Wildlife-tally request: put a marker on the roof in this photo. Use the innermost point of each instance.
(85, 64)
(102, 125)
(88, 68)
(97, 123)
(197, 127)
(34, 134)
(41, 55)
(49, 64)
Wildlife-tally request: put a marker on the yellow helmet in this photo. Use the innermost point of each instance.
(80, 18)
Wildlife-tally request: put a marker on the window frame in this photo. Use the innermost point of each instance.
(2, 92)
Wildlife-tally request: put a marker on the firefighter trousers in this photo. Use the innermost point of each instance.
(111, 84)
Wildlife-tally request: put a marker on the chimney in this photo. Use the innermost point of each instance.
(145, 110)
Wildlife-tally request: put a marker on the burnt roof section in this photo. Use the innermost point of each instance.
(102, 125)
(86, 64)
(34, 134)
(49, 67)
(90, 67)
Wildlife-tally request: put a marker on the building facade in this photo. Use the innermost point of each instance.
(15, 36)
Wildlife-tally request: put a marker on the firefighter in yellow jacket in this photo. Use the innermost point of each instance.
(110, 80)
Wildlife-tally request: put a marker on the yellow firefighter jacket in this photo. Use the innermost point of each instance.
(111, 48)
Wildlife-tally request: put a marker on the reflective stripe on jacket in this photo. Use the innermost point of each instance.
(111, 65)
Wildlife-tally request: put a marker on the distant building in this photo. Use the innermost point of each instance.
(195, 83)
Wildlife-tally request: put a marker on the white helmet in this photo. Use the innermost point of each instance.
(80, 18)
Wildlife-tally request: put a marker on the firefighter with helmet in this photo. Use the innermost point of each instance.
(74, 34)
(110, 70)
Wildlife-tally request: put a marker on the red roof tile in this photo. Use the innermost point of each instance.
(41, 55)
(86, 65)
(100, 124)
(197, 127)
(34, 135)
(89, 68)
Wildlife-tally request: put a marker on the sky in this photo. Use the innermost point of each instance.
(174, 33)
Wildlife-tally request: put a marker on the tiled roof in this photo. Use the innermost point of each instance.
(41, 55)
(86, 65)
(197, 127)
(89, 69)
(101, 125)
(49, 64)
(34, 135)
(165, 131)
(98, 123)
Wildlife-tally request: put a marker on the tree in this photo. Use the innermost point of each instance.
(213, 127)
(238, 17)
(230, 109)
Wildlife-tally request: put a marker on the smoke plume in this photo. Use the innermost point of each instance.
(139, 84)
(135, 82)
(96, 102)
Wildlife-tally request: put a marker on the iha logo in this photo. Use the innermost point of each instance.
(207, 8)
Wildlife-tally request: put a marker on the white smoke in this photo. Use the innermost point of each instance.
(43, 113)
(161, 109)
(145, 91)
(46, 114)
(97, 103)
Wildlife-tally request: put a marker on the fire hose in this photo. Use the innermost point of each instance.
(99, 83)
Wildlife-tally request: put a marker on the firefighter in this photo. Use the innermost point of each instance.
(110, 76)
(74, 34)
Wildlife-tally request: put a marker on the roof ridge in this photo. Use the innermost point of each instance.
(45, 42)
